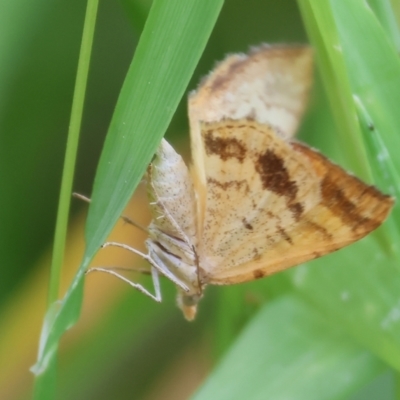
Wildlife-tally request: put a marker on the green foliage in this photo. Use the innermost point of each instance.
(356, 289)
(324, 330)
(288, 351)
(134, 134)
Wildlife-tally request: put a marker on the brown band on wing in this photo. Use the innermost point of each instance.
(296, 209)
(225, 148)
(237, 185)
(359, 206)
(334, 198)
(274, 175)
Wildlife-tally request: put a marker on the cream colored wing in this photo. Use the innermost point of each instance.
(271, 204)
(172, 197)
(270, 86)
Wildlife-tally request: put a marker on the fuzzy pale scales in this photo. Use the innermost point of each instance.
(256, 202)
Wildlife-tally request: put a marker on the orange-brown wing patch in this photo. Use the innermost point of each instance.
(272, 204)
(255, 190)
(359, 206)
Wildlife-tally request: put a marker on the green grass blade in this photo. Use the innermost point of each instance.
(384, 172)
(373, 67)
(72, 147)
(153, 87)
(358, 287)
(172, 41)
(44, 383)
(289, 352)
(322, 31)
(385, 13)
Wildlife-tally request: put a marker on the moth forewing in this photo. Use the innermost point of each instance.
(295, 205)
(242, 158)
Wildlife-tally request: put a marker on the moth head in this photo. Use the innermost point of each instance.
(188, 304)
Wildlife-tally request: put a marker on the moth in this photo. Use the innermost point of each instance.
(255, 201)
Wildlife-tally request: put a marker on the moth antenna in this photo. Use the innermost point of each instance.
(125, 218)
(134, 223)
(81, 197)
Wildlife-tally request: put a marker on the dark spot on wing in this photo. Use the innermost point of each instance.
(317, 254)
(247, 225)
(225, 148)
(284, 235)
(274, 175)
(258, 273)
(297, 210)
(237, 185)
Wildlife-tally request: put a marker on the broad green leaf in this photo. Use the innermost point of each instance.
(288, 351)
(357, 288)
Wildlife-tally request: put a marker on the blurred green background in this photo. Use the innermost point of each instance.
(126, 346)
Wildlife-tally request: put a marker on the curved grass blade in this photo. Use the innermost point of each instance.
(386, 15)
(373, 68)
(45, 383)
(172, 41)
(358, 287)
(321, 28)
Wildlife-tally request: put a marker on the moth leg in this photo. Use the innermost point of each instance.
(125, 218)
(140, 270)
(196, 258)
(159, 266)
(154, 274)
